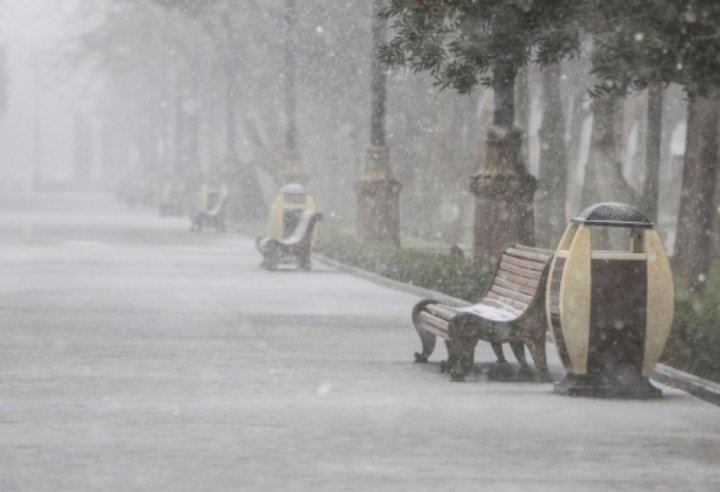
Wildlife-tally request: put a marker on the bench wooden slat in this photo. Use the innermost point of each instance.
(509, 284)
(511, 294)
(296, 247)
(519, 270)
(512, 302)
(436, 325)
(520, 305)
(300, 230)
(441, 311)
(518, 279)
(500, 317)
(528, 264)
(539, 253)
(525, 247)
(491, 313)
(214, 217)
(500, 305)
(534, 255)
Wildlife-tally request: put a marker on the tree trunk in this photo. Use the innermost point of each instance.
(83, 151)
(504, 87)
(552, 183)
(166, 135)
(683, 229)
(503, 189)
(604, 180)
(675, 108)
(180, 156)
(700, 175)
(246, 201)
(653, 145)
(574, 139)
(289, 77)
(378, 192)
(230, 119)
(523, 109)
(192, 110)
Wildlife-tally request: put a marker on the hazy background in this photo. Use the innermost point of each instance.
(72, 104)
(37, 127)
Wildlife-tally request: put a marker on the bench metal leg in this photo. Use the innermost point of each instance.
(500, 370)
(518, 349)
(426, 338)
(463, 338)
(303, 261)
(197, 224)
(463, 358)
(428, 345)
(498, 349)
(537, 351)
(446, 364)
(532, 332)
(271, 258)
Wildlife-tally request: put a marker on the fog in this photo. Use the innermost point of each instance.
(224, 224)
(40, 101)
(94, 90)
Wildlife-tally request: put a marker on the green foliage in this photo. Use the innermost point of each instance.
(641, 42)
(635, 43)
(466, 42)
(454, 276)
(694, 343)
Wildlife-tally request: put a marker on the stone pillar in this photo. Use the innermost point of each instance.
(378, 193)
(504, 192)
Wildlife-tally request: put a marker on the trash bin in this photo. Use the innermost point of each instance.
(288, 206)
(610, 312)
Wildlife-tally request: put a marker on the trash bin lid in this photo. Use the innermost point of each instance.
(613, 214)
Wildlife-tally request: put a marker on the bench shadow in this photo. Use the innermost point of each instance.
(482, 373)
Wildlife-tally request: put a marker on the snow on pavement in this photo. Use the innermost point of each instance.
(138, 356)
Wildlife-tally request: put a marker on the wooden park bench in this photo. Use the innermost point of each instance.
(294, 248)
(215, 217)
(512, 311)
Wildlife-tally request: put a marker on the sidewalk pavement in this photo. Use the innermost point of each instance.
(137, 356)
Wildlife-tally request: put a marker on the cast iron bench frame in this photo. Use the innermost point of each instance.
(214, 217)
(295, 247)
(512, 311)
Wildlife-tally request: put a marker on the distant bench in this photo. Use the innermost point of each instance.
(215, 217)
(295, 248)
(511, 312)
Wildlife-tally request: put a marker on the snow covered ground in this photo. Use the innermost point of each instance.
(135, 355)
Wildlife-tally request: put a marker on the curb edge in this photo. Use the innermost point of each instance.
(669, 376)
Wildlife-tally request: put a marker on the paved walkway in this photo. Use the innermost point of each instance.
(135, 355)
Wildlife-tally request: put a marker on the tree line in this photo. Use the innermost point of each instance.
(205, 84)
(630, 46)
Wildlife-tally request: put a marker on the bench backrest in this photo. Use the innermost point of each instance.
(219, 207)
(518, 277)
(304, 228)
